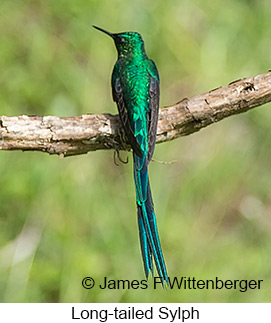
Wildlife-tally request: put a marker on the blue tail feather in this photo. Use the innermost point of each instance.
(149, 239)
(145, 248)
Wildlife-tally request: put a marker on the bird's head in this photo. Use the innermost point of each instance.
(126, 42)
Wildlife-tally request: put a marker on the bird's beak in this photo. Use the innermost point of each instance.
(104, 31)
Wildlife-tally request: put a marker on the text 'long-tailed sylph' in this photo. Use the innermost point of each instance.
(135, 87)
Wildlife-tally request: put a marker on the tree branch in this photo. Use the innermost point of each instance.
(77, 135)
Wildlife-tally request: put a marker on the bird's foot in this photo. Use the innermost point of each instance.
(117, 156)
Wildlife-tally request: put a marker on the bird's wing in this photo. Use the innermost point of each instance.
(154, 92)
(118, 98)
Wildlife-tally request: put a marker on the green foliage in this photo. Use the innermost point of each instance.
(63, 219)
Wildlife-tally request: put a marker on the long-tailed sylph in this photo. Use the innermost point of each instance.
(135, 88)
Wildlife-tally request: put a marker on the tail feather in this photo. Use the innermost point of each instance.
(145, 248)
(149, 239)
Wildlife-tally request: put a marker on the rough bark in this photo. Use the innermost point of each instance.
(77, 135)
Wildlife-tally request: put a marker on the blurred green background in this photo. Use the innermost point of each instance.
(64, 219)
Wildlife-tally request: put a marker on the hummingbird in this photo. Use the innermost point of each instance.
(136, 91)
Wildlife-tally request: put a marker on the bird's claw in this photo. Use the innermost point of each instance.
(117, 156)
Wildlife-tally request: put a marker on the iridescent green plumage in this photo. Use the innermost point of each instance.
(135, 87)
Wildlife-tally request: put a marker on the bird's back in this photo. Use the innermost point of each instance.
(134, 77)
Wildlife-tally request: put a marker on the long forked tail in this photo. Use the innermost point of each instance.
(148, 233)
